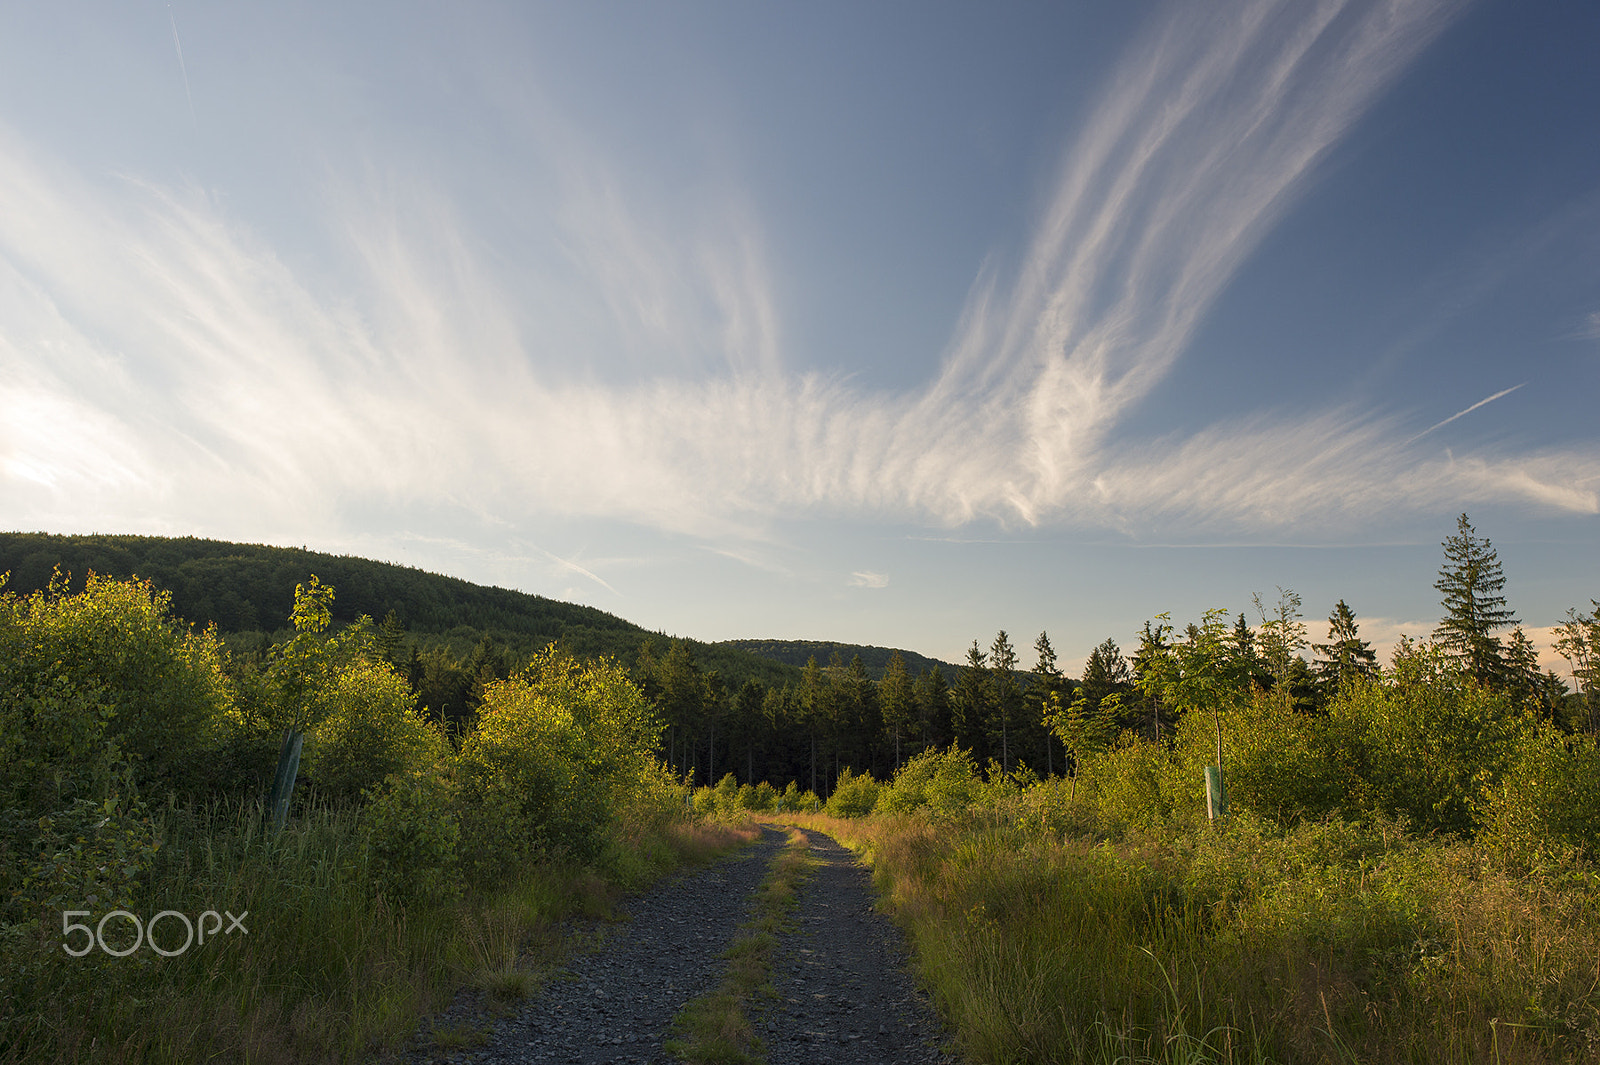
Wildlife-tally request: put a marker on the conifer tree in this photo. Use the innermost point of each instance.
(1006, 699)
(1046, 681)
(896, 701)
(1346, 656)
(933, 708)
(1105, 673)
(1471, 581)
(812, 699)
(969, 700)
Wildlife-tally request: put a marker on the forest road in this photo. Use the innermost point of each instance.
(842, 990)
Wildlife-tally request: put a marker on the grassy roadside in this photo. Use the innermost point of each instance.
(326, 968)
(1326, 943)
(715, 1029)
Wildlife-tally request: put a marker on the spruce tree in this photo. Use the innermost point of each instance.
(1005, 705)
(1346, 656)
(897, 701)
(1471, 581)
(969, 701)
(1046, 681)
(933, 708)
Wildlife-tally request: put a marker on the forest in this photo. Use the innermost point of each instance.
(1415, 841)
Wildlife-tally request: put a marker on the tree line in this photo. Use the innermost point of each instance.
(836, 718)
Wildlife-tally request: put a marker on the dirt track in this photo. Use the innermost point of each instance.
(842, 991)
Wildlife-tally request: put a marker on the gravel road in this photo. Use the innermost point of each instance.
(843, 994)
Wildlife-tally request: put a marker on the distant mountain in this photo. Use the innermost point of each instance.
(245, 588)
(876, 659)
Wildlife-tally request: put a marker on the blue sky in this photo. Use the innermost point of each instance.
(897, 324)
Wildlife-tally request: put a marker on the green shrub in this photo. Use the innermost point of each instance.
(371, 729)
(414, 833)
(946, 782)
(854, 795)
(797, 800)
(1548, 801)
(1135, 784)
(763, 798)
(1423, 744)
(726, 797)
(109, 663)
(554, 748)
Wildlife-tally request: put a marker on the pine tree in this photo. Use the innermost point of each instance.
(1471, 581)
(1346, 656)
(1107, 673)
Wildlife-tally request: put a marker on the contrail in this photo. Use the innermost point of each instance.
(182, 67)
(1469, 410)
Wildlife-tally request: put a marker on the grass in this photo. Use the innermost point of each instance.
(716, 1029)
(1325, 943)
(329, 970)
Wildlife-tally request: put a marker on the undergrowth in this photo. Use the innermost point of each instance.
(328, 968)
(1044, 940)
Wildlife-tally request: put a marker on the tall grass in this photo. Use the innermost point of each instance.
(1328, 942)
(329, 969)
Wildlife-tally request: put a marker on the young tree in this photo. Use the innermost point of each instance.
(1543, 693)
(1346, 656)
(1281, 636)
(1578, 641)
(1083, 729)
(1471, 581)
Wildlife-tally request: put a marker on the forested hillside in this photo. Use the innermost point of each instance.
(799, 652)
(249, 588)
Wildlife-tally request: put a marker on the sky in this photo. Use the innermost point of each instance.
(891, 323)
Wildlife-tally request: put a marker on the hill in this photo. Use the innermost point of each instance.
(876, 659)
(249, 588)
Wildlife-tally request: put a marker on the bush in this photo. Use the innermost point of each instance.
(796, 800)
(763, 798)
(853, 795)
(554, 748)
(414, 833)
(946, 782)
(109, 663)
(1548, 802)
(371, 730)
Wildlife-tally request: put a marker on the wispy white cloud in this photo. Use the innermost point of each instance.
(158, 358)
(869, 579)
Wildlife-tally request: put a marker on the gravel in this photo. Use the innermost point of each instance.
(842, 990)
